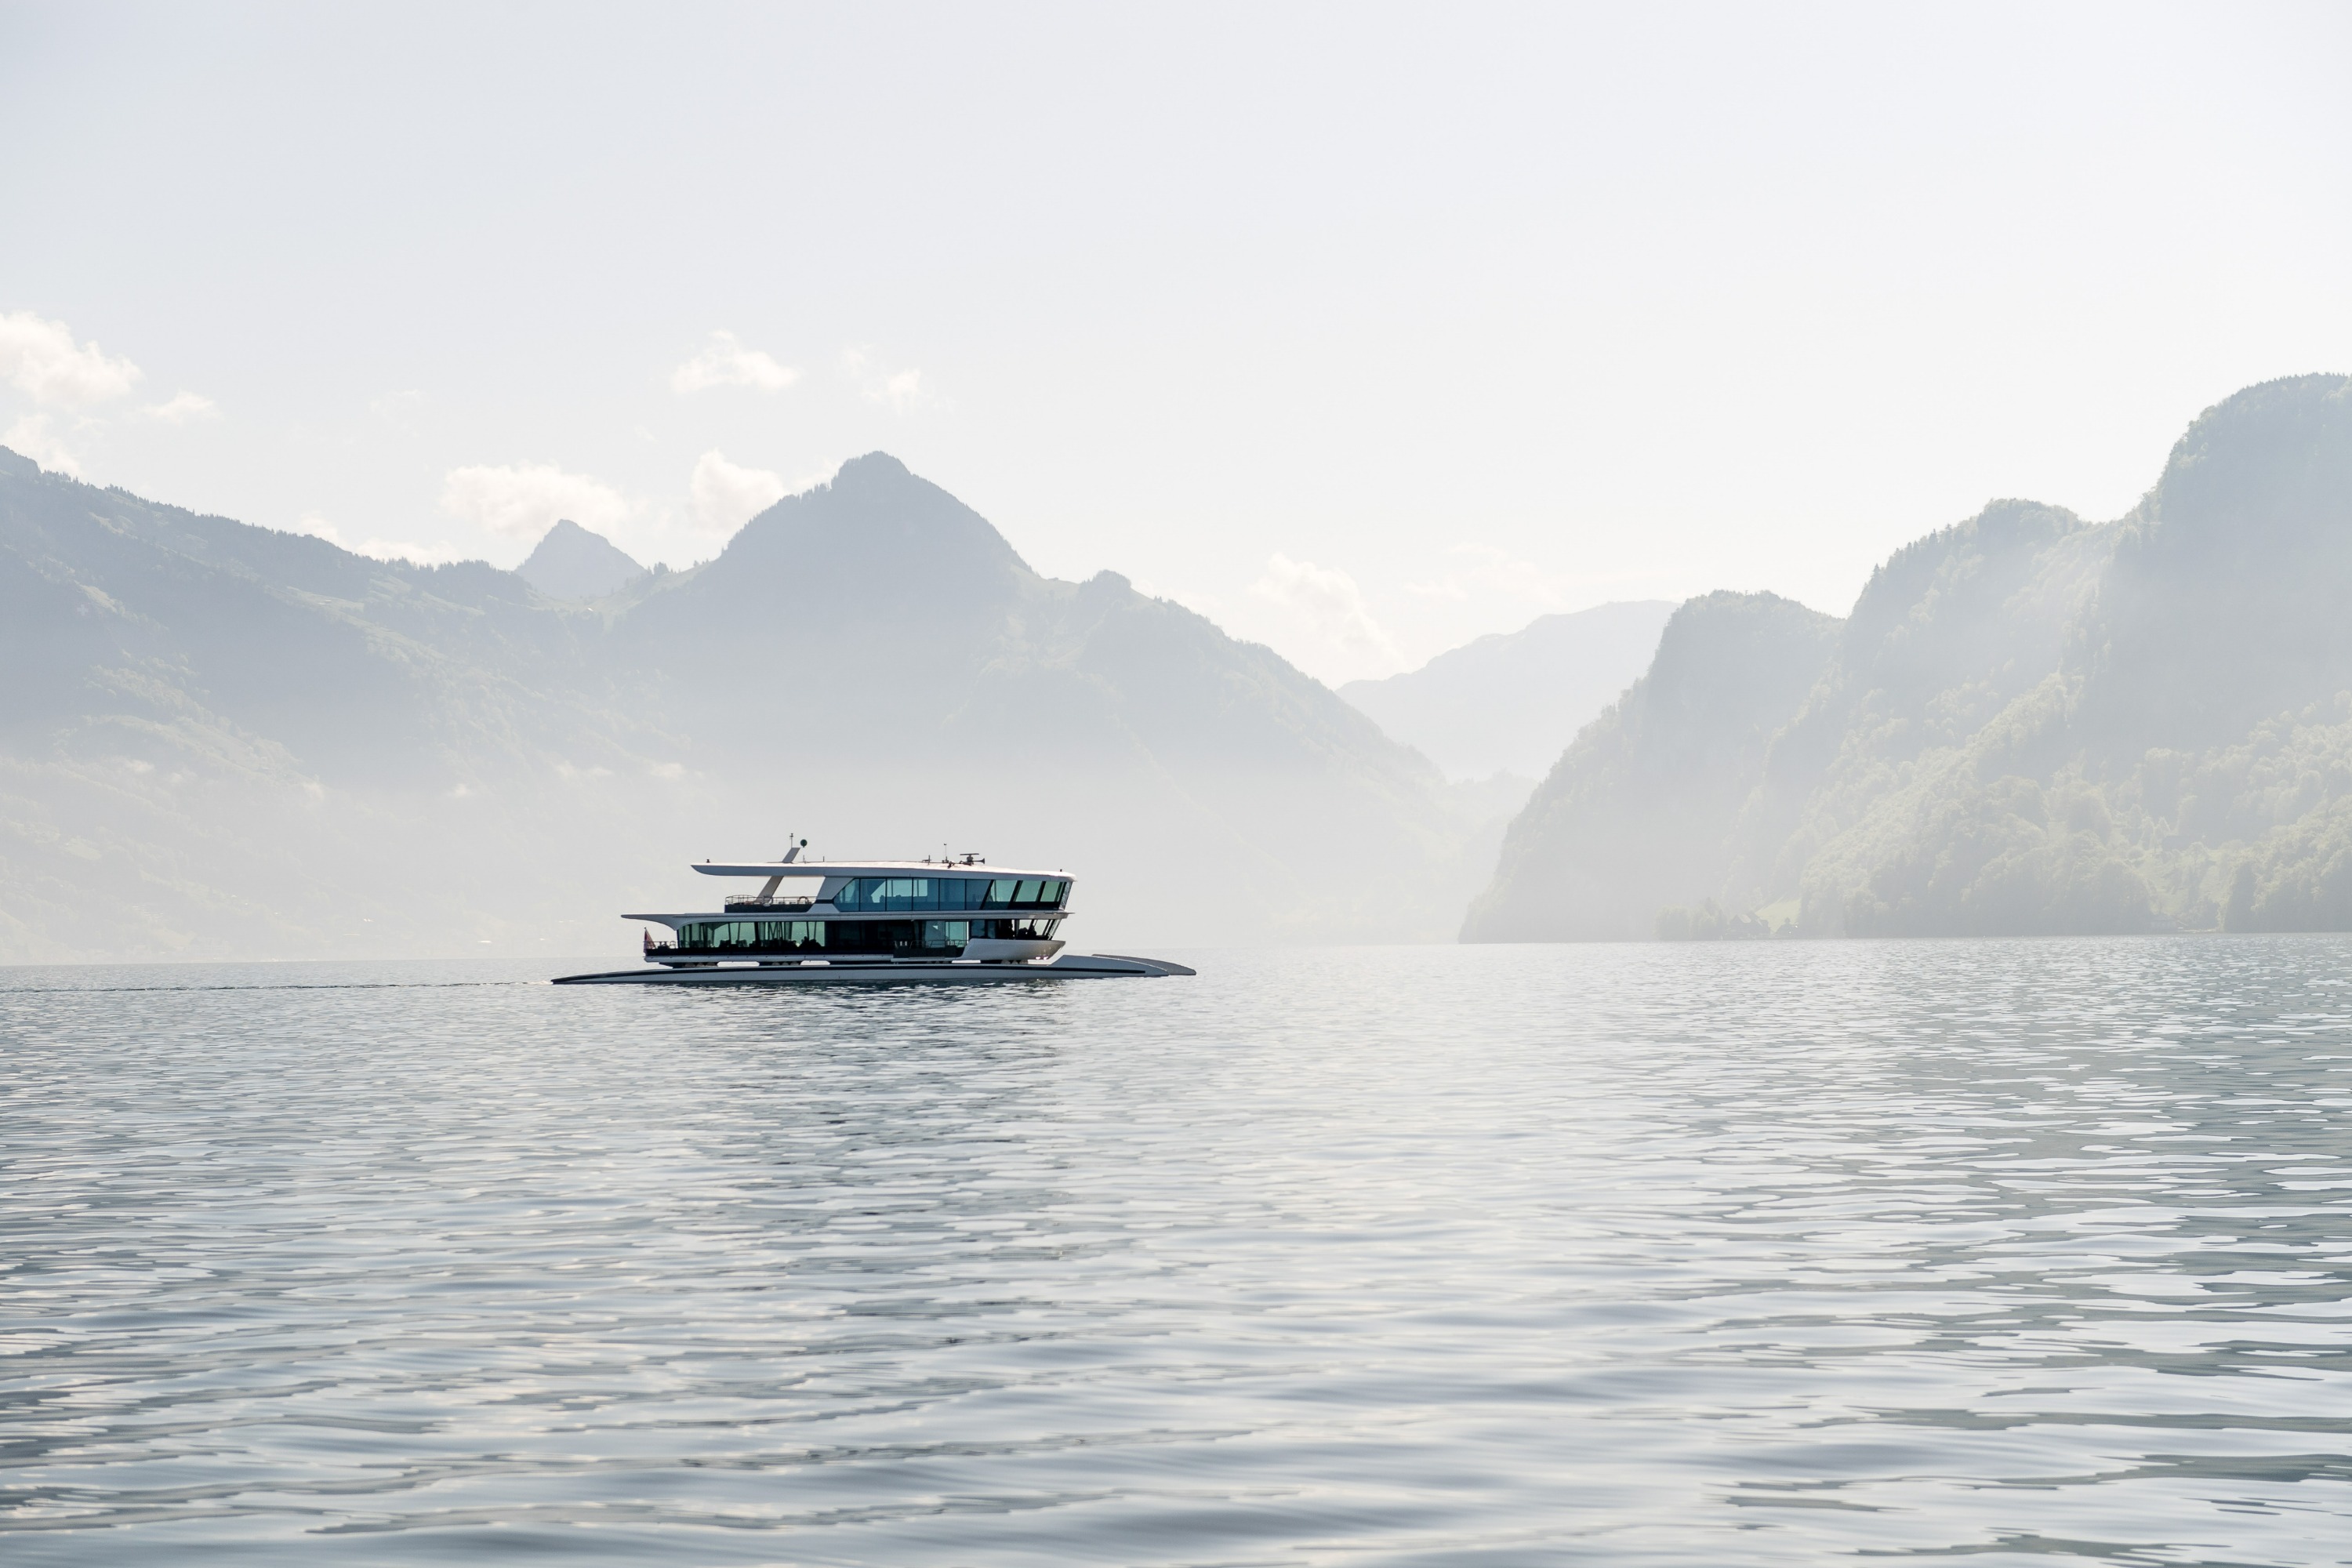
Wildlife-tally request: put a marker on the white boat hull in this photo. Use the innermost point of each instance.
(885, 972)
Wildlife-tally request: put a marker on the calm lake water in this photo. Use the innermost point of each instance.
(1766, 1253)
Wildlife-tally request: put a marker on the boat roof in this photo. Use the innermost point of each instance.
(868, 869)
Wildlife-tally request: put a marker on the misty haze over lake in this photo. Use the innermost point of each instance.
(236, 743)
(1545, 785)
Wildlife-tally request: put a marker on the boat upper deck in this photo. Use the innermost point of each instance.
(957, 866)
(830, 889)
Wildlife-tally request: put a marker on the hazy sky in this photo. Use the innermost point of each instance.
(1364, 330)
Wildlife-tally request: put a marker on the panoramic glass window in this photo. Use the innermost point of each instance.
(751, 936)
(1021, 931)
(914, 893)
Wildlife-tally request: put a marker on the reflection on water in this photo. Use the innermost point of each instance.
(1768, 1253)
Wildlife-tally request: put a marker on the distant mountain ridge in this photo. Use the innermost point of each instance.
(236, 741)
(1511, 702)
(2029, 724)
(225, 740)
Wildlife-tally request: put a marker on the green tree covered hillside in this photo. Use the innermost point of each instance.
(2028, 724)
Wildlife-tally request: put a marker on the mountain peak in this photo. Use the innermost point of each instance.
(873, 468)
(2275, 458)
(875, 517)
(572, 563)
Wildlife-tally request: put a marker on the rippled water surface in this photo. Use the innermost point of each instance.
(1766, 1253)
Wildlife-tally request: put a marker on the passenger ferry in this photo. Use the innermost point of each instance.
(961, 921)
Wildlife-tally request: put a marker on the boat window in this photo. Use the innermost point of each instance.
(897, 893)
(1016, 931)
(944, 893)
(861, 936)
(751, 936)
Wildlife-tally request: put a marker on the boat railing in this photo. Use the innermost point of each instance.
(754, 901)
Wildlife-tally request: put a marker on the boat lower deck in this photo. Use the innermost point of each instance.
(884, 972)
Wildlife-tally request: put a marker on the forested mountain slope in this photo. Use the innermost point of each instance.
(228, 741)
(2030, 724)
(1636, 813)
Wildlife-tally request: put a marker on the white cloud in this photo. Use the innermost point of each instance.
(406, 550)
(523, 500)
(181, 409)
(727, 496)
(32, 438)
(1324, 602)
(901, 389)
(727, 363)
(41, 360)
